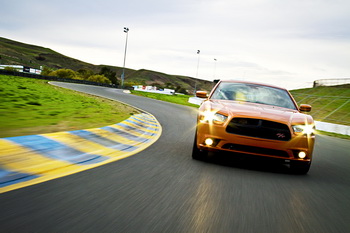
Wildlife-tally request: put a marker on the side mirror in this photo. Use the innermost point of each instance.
(305, 108)
(202, 94)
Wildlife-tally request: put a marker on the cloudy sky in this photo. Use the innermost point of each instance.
(290, 43)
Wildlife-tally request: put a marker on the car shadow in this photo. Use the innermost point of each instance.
(249, 162)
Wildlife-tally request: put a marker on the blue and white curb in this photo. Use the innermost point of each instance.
(32, 159)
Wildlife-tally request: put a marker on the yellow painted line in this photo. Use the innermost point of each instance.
(148, 121)
(144, 118)
(17, 158)
(143, 126)
(81, 144)
(72, 169)
(139, 128)
(114, 137)
(131, 131)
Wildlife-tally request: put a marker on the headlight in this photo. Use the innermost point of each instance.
(219, 118)
(212, 117)
(304, 129)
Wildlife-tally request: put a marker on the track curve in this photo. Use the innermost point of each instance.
(161, 189)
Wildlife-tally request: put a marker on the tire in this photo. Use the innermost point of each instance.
(300, 167)
(198, 154)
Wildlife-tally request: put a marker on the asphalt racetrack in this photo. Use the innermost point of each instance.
(161, 189)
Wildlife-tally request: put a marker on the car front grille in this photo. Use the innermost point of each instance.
(259, 129)
(256, 150)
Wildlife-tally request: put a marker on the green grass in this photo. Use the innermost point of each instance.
(329, 104)
(31, 106)
(176, 99)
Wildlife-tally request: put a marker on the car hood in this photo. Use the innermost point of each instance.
(260, 111)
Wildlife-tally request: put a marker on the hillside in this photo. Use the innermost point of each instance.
(329, 104)
(17, 53)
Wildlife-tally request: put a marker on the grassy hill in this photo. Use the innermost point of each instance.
(329, 104)
(17, 53)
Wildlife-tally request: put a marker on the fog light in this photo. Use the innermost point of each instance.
(302, 154)
(209, 141)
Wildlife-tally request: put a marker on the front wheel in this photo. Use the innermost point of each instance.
(197, 153)
(300, 167)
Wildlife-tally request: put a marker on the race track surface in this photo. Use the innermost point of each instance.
(161, 189)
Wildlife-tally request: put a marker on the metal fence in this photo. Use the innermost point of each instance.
(331, 82)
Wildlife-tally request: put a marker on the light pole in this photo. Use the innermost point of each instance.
(199, 53)
(195, 84)
(215, 60)
(126, 30)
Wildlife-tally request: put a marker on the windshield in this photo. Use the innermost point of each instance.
(253, 93)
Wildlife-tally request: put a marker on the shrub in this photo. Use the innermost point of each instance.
(99, 79)
(85, 74)
(46, 71)
(65, 73)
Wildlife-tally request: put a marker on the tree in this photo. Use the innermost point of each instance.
(108, 73)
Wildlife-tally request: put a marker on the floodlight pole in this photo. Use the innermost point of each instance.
(215, 60)
(199, 53)
(195, 83)
(126, 30)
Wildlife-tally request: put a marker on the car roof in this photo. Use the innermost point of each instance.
(249, 82)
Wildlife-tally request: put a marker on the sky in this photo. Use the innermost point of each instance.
(289, 43)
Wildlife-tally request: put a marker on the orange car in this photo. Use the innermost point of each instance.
(255, 119)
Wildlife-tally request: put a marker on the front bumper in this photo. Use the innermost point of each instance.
(224, 141)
